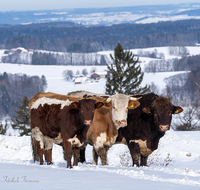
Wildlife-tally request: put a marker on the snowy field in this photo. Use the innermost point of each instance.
(183, 171)
(57, 84)
(174, 165)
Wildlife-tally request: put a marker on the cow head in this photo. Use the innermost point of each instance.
(161, 111)
(86, 109)
(120, 104)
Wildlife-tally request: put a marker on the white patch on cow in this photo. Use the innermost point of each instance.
(75, 142)
(50, 101)
(45, 141)
(100, 141)
(144, 150)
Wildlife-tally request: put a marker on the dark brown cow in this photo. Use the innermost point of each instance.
(146, 125)
(103, 131)
(60, 119)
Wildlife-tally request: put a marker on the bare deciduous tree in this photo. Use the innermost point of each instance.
(68, 74)
(85, 72)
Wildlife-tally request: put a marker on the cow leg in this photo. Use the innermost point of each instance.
(48, 156)
(40, 151)
(76, 153)
(34, 150)
(143, 160)
(135, 159)
(102, 152)
(37, 144)
(48, 151)
(82, 155)
(68, 152)
(94, 157)
(135, 153)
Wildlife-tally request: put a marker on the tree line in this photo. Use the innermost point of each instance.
(186, 63)
(60, 38)
(54, 58)
(13, 87)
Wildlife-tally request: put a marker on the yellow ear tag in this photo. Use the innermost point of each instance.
(149, 112)
(132, 106)
(176, 111)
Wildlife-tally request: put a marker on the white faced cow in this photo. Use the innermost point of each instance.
(104, 129)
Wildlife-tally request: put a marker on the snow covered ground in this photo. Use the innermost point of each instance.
(174, 165)
(183, 171)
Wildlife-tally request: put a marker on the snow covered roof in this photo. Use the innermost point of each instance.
(101, 73)
(80, 79)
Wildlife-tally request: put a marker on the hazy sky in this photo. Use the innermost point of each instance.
(7, 5)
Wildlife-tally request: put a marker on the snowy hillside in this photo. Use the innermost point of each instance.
(183, 172)
(105, 16)
(174, 165)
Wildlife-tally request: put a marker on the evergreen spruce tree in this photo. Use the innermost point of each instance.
(126, 75)
(21, 121)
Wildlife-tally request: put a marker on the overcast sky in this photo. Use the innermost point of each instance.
(7, 5)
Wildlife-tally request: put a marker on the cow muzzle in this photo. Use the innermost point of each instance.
(121, 123)
(87, 122)
(164, 128)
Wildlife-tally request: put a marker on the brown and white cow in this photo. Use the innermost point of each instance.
(60, 119)
(146, 125)
(104, 129)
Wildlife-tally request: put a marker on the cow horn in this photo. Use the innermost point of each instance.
(108, 100)
(134, 99)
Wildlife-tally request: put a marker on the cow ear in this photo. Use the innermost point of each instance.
(146, 110)
(99, 105)
(177, 109)
(133, 104)
(75, 105)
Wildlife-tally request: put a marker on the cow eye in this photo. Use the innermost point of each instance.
(113, 107)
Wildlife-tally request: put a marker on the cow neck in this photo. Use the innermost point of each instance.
(82, 132)
(153, 131)
(113, 130)
(110, 115)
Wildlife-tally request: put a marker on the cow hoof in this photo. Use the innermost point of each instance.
(69, 166)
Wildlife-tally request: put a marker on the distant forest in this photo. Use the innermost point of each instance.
(63, 37)
(13, 87)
